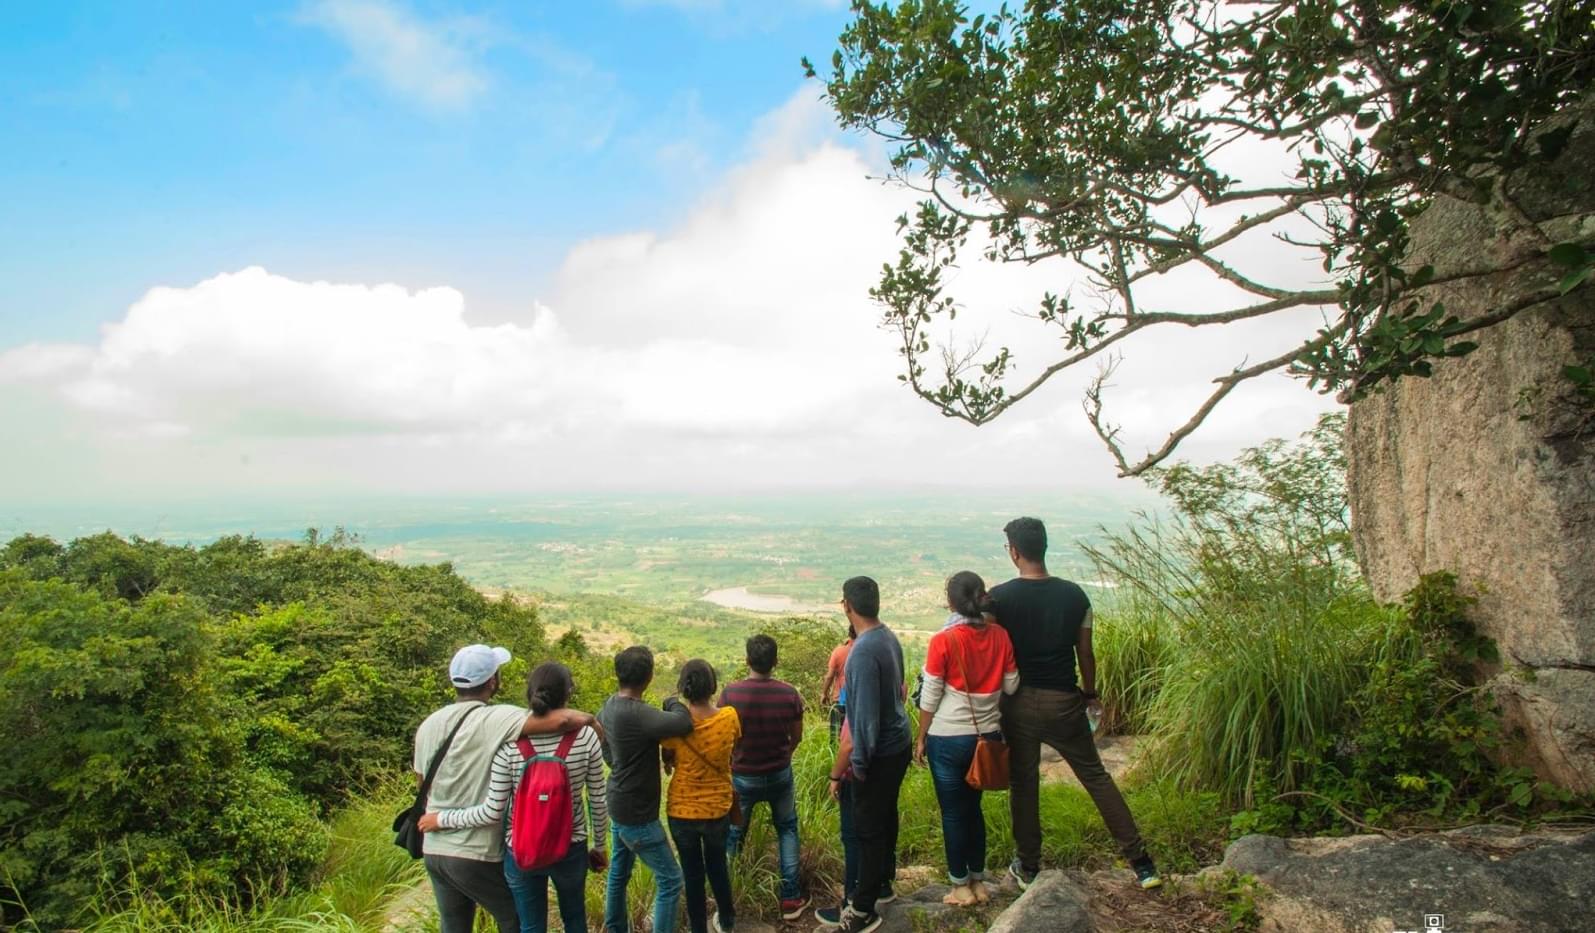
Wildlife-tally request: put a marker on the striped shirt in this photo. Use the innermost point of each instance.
(967, 670)
(771, 712)
(584, 765)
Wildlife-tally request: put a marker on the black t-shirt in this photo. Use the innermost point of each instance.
(1043, 619)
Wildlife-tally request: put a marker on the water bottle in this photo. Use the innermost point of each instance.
(1092, 717)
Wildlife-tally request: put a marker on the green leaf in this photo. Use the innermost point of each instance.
(1367, 119)
(1574, 279)
(1567, 254)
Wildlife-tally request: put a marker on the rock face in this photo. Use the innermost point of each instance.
(1487, 469)
(1481, 880)
(1055, 902)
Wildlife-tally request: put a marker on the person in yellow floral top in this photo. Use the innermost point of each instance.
(699, 801)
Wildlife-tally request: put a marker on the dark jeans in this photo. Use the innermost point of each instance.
(776, 790)
(850, 845)
(838, 716)
(875, 821)
(963, 826)
(1057, 718)
(701, 845)
(530, 889)
(461, 884)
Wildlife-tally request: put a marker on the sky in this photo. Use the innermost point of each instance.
(337, 247)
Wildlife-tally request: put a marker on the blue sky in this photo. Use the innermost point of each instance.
(402, 246)
(161, 142)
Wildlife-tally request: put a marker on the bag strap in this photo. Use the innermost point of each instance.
(964, 672)
(566, 744)
(687, 741)
(437, 759)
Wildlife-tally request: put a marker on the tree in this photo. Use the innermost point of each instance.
(1099, 132)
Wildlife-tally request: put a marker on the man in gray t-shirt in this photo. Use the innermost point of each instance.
(466, 865)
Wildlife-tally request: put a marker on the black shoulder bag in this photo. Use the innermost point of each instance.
(407, 835)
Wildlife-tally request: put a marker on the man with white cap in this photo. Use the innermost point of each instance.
(466, 866)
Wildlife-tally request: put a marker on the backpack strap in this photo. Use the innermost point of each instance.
(526, 749)
(566, 744)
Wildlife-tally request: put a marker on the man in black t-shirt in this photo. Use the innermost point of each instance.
(1049, 622)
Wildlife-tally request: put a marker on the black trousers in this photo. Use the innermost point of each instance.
(875, 822)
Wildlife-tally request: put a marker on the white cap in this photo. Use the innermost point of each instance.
(475, 665)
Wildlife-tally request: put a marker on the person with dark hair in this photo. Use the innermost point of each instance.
(969, 667)
(700, 800)
(834, 690)
(465, 865)
(772, 725)
(633, 730)
(1049, 622)
(878, 758)
(548, 689)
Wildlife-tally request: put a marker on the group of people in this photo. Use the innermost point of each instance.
(1012, 665)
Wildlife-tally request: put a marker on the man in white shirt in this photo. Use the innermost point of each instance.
(466, 865)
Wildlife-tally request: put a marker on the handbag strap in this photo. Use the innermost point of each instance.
(687, 741)
(964, 673)
(437, 759)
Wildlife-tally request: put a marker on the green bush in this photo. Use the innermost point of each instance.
(182, 716)
(1420, 742)
(125, 759)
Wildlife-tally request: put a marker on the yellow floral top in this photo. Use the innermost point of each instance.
(701, 787)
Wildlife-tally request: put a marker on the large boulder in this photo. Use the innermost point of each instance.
(1481, 880)
(1487, 469)
(1055, 902)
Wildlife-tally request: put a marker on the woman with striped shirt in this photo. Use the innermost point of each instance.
(548, 688)
(969, 666)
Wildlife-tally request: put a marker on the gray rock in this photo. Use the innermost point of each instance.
(1487, 469)
(1054, 903)
(1482, 880)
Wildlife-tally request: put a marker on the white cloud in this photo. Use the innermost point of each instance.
(737, 349)
(425, 61)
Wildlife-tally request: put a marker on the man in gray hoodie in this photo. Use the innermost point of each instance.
(881, 745)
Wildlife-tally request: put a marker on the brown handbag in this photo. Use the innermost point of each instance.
(989, 768)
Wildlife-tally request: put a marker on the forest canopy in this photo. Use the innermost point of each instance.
(185, 716)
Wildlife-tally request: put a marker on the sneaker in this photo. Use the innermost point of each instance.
(855, 922)
(887, 895)
(830, 917)
(793, 907)
(714, 923)
(1024, 876)
(1146, 874)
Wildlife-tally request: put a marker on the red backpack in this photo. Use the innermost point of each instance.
(540, 817)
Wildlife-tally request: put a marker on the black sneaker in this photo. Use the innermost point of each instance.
(830, 917)
(1024, 876)
(855, 922)
(1146, 874)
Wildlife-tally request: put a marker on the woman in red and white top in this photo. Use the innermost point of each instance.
(968, 667)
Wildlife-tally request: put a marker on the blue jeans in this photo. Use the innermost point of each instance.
(775, 789)
(702, 847)
(627, 845)
(530, 889)
(963, 825)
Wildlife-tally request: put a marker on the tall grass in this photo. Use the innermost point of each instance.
(1242, 626)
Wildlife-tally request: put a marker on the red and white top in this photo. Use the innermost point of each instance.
(968, 668)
